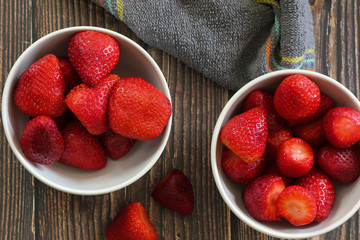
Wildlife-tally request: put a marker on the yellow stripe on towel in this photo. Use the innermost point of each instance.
(120, 9)
(294, 59)
(271, 2)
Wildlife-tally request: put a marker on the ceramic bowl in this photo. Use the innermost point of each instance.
(134, 61)
(347, 200)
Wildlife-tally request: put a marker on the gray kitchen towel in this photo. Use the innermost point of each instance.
(229, 41)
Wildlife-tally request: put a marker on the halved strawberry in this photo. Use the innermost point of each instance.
(342, 126)
(341, 164)
(323, 190)
(82, 149)
(90, 104)
(175, 192)
(93, 54)
(41, 89)
(246, 133)
(274, 141)
(240, 171)
(41, 141)
(295, 157)
(296, 97)
(131, 223)
(312, 133)
(115, 145)
(326, 103)
(260, 197)
(263, 99)
(297, 205)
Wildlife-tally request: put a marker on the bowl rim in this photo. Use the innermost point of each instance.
(27, 164)
(250, 221)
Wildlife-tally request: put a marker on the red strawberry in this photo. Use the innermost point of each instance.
(341, 164)
(326, 103)
(274, 141)
(245, 134)
(323, 190)
(137, 109)
(41, 141)
(296, 97)
(90, 104)
(342, 126)
(63, 120)
(240, 171)
(312, 133)
(260, 197)
(131, 223)
(82, 149)
(260, 98)
(175, 192)
(297, 205)
(93, 54)
(295, 157)
(115, 145)
(41, 88)
(71, 77)
(273, 170)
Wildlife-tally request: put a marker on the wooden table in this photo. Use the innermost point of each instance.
(30, 209)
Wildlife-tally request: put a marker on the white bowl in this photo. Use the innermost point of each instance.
(347, 200)
(117, 174)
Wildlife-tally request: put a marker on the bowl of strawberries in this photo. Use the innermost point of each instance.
(285, 154)
(86, 110)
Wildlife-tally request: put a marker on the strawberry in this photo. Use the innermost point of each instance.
(93, 54)
(341, 164)
(82, 149)
(71, 77)
(297, 205)
(274, 141)
(137, 109)
(296, 97)
(41, 141)
(63, 120)
(260, 197)
(41, 88)
(312, 133)
(263, 99)
(323, 190)
(131, 223)
(115, 145)
(90, 104)
(273, 170)
(326, 103)
(295, 157)
(342, 126)
(240, 171)
(175, 192)
(245, 134)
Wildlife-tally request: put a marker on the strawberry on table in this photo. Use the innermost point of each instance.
(41, 89)
(90, 104)
(115, 145)
(41, 141)
(175, 192)
(296, 97)
(137, 109)
(297, 205)
(131, 223)
(82, 149)
(342, 126)
(71, 77)
(93, 54)
(246, 133)
(323, 190)
(295, 157)
(259, 98)
(239, 171)
(260, 197)
(341, 164)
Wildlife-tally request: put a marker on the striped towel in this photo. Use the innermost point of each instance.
(229, 41)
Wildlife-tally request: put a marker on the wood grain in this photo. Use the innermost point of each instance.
(31, 210)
